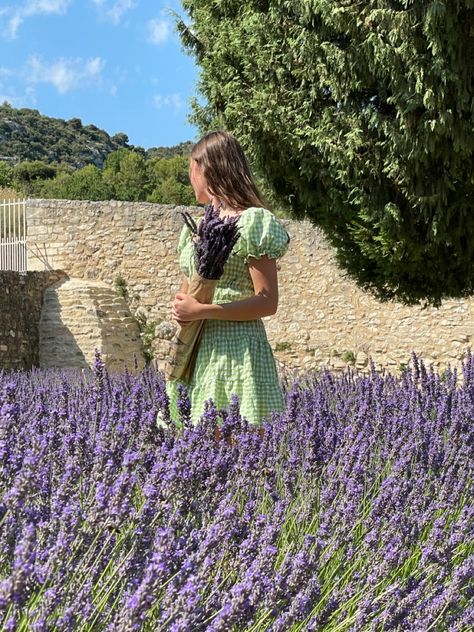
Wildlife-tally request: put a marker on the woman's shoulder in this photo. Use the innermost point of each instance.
(262, 233)
(256, 211)
(258, 216)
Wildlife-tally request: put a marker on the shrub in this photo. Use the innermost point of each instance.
(352, 510)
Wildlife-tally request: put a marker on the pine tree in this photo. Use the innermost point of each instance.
(360, 116)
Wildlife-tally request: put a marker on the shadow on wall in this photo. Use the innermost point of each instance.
(119, 334)
(40, 253)
(57, 345)
(21, 299)
(81, 316)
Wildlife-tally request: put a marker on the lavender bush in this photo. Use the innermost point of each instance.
(353, 511)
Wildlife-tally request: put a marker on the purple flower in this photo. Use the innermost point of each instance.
(214, 240)
(353, 509)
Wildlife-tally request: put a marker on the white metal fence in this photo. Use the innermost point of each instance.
(13, 235)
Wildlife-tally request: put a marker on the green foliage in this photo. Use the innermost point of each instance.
(26, 134)
(121, 287)
(125, 174)
(171, 192)
(348, 357)
(359, 115)
(91, 164)
(168, 180)
(27, 173)
(147, 334)
(182, 149)
(120, 139)
(6, 174)
(176, 168)
(83, 184)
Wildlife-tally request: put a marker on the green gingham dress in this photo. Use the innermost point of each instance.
(234, 357)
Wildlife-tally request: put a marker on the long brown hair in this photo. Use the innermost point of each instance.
(226, 169)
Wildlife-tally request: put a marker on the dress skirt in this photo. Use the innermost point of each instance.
(234, 358)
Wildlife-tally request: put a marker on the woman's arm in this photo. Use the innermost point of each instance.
(264, 302)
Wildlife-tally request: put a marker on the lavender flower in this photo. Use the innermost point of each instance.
(353, 510)
(214, 240)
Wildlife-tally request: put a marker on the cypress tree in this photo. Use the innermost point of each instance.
(360, 116)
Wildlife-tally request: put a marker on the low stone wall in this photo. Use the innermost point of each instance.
(327, 321)
(21, 298)
(324, 319)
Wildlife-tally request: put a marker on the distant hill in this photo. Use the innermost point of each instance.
(183, 149)
(26, 134)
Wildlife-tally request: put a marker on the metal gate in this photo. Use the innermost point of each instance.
(13, 235)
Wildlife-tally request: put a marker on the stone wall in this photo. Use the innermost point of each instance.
(324, 319)
(21, 298)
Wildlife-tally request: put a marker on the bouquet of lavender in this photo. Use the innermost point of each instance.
(213, 241)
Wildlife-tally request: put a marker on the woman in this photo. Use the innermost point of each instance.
(234, 356)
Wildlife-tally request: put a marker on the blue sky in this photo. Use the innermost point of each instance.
(117, 64)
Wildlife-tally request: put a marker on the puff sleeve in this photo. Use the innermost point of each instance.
(262, 234)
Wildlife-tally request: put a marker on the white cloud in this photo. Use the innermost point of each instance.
(7, 92)
(11, 96)
(15, 15)
(174, 101)
(65, 74)
(159, 31)
(115, 10)
(12, 99)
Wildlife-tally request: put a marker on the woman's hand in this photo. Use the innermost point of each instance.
(185, 309)
(264, 302)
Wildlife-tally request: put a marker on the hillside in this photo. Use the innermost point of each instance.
(26, 134)
(183, 149)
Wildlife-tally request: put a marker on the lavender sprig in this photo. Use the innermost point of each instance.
(189, 221)
(214, 240)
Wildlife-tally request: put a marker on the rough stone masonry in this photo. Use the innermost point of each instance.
(21, 297)
(324, 319)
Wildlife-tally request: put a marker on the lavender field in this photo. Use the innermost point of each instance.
(353, 511)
